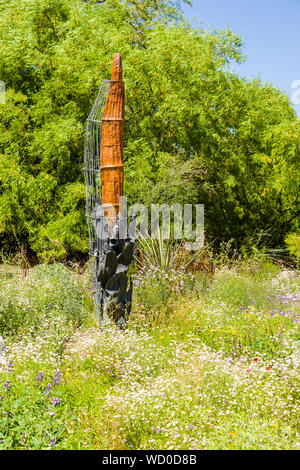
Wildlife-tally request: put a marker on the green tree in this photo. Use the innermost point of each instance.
(194, 131)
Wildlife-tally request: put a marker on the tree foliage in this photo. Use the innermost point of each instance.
(194, 131)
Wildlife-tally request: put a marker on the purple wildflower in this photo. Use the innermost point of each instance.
(55, 401)
(7, 385)
(40, 377)
(57, 377)
(52, 442)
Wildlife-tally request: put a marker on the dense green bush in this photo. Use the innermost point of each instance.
(293, 243)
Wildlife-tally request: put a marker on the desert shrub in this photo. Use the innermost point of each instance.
(249, 313)
(156, 290)
(268, 270)
(236, 290)
(34, 303)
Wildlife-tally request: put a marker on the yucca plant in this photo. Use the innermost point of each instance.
(165, 253)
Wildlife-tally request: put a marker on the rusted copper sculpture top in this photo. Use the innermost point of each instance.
(116, 71)
(112, 142)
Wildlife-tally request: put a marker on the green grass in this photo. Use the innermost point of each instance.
(204, 363)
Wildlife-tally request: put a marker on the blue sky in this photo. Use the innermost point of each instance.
(270, 32)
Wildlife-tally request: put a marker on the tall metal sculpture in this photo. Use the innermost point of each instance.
(111, 241)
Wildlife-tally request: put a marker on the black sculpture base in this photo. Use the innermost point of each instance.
(113, 253)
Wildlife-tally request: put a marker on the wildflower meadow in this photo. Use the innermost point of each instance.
(206, 361)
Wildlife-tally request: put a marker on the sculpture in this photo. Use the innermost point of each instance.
(111, 241)
(112, 142)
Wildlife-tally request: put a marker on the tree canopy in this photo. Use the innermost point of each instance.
(194, 131)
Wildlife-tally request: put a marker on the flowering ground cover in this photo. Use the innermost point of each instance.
(203, 363)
